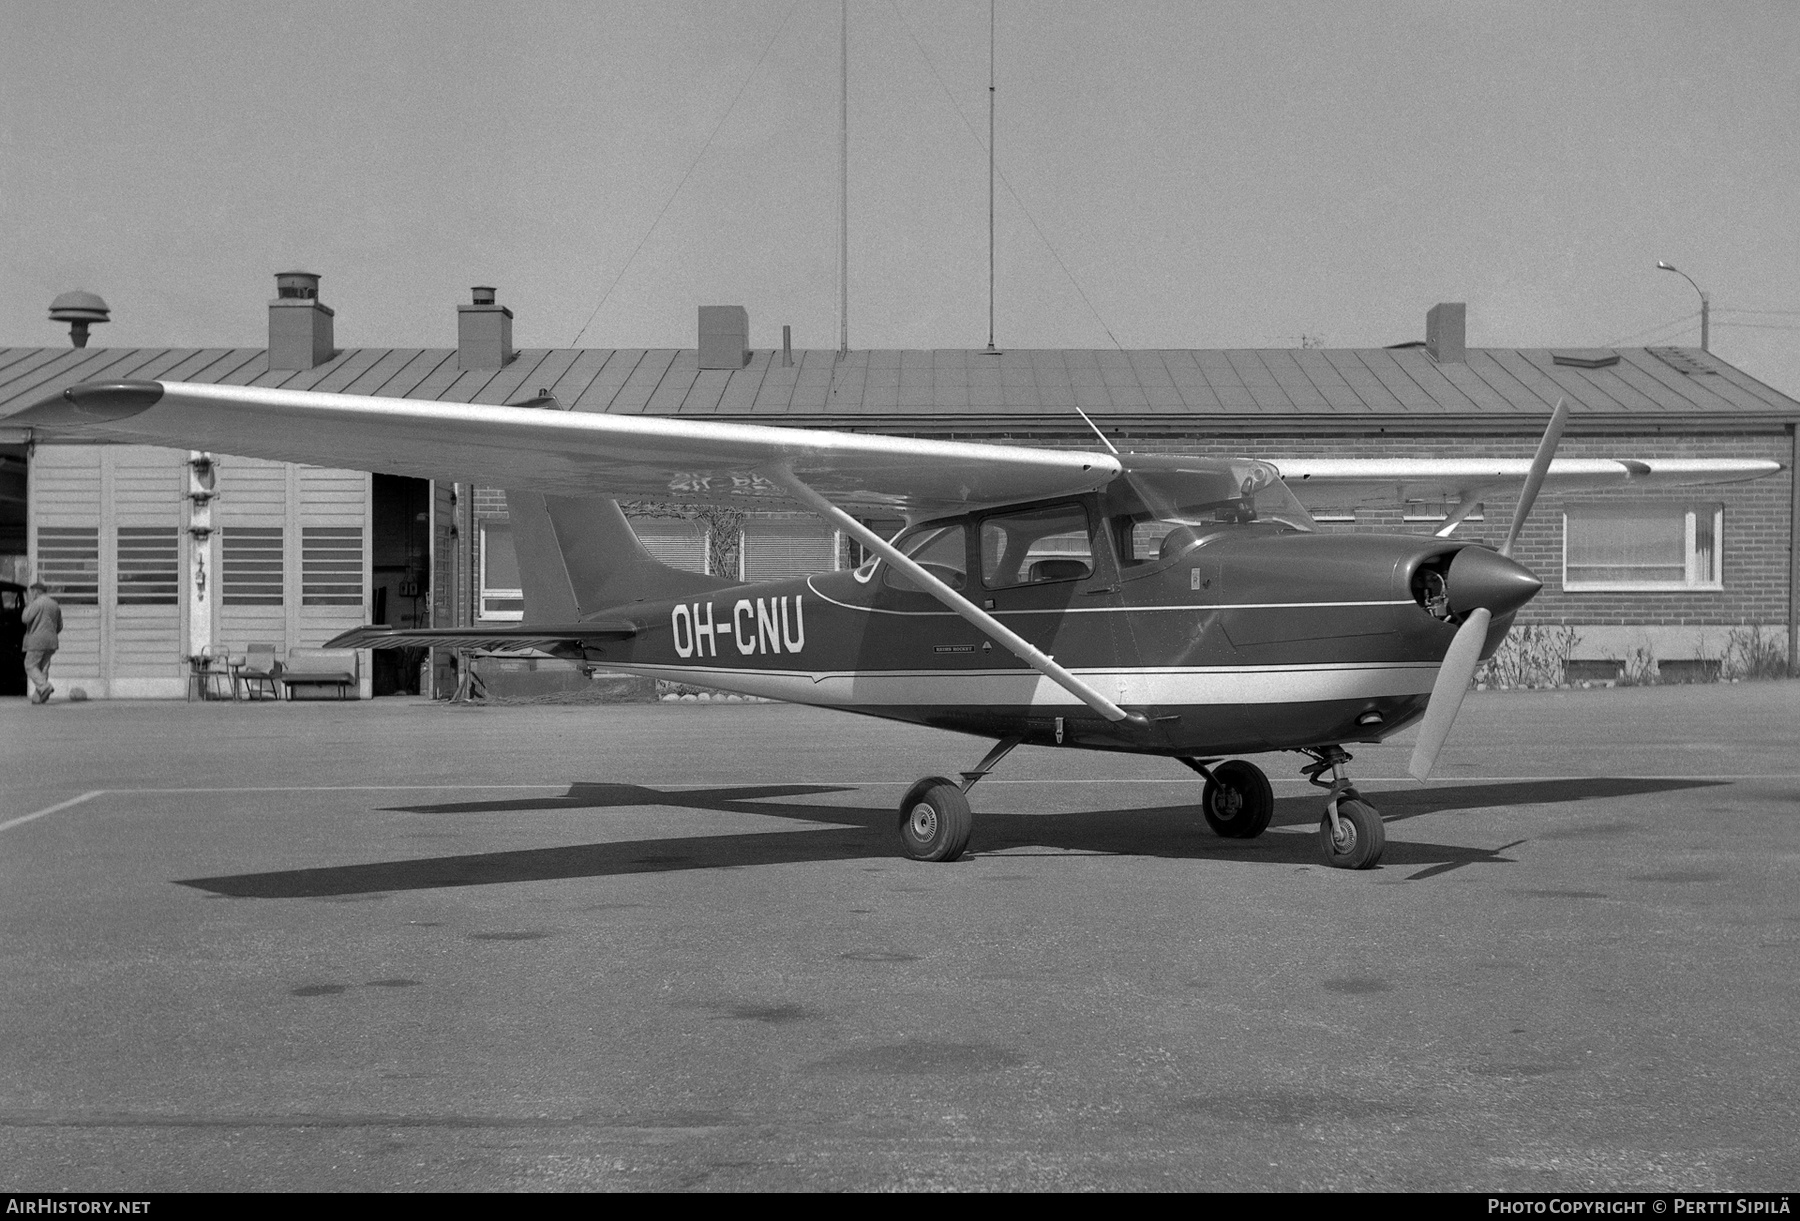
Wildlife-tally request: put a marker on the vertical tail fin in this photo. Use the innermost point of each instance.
(578, 556)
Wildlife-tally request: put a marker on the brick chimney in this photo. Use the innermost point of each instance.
(299, 324)
(1446, 330)
(724, 337)
(483, 332)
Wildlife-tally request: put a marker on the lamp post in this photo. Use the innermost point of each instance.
(1705, 304)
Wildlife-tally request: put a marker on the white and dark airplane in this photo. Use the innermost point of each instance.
(1157, 605)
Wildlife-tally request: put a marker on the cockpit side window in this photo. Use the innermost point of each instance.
(1036, 546)
(940, 548)
(1167, 512)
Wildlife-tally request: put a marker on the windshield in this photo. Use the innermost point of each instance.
(1184, 501)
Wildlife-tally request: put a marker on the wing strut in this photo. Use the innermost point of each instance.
(1021, 648)
(1468, 505)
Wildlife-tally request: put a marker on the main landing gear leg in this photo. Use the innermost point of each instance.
(935, 819)
(1351, 833)
(1237, 801)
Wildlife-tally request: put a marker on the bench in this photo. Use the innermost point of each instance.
(312, 671)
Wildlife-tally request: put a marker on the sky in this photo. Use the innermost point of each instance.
(1175, 175)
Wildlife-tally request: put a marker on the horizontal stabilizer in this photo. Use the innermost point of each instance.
(544, 637)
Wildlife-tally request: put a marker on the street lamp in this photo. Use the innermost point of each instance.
(1705, 303)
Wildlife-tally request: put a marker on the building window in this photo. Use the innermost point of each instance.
(1644, 546)
(776, 551)
(331, 566)
(502, 596)
(253, 566)
(68, 561)
(149, 565)
(677, 542)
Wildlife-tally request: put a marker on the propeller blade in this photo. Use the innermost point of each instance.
(1540, 465)
(1448, 691)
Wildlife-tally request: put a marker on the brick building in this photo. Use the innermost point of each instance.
(292, 555)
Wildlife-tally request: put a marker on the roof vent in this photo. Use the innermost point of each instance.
(297, 285)
(1446, 328)
(1682, 360)
(80, 310)
(483, 332)
(300, 325)
(1586, 358)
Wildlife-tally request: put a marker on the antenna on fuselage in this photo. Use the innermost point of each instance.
(1090, 423)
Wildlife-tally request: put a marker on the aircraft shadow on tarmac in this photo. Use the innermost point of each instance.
(1175, 832)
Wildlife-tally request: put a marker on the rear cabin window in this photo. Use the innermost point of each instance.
(1036, 547)
(941, 550)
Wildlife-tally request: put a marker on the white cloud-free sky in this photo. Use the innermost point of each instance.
(1212, 175)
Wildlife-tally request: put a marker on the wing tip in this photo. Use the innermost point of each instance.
(93, 403)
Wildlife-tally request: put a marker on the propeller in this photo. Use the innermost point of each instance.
(1485, 584)
(1540, 466)
(1448, 691)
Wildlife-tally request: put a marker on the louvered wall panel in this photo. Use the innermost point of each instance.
(253, 493)
(65, 494)
(336, 499)
(148, 491)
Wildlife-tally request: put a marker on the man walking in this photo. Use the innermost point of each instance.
(43, 628)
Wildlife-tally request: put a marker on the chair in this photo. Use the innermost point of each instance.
(210, 677)
(257, 672)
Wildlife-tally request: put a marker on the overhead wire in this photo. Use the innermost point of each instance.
(1007, 182)
(711, 136)
(1682, 323)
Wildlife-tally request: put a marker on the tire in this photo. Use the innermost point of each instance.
(1238, 801)
(935, 820)
(1364, 836)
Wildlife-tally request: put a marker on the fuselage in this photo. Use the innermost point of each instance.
(1237, 636)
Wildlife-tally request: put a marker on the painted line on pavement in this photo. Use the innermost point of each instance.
(273, 788)
(61, 805)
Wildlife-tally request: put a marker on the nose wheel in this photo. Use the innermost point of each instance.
(1351, 834)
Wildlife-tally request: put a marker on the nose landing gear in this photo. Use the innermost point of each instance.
(1351, 834)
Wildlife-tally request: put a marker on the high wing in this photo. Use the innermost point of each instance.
(1346, 482)
(569, 453)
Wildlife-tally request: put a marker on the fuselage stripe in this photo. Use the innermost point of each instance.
(1113, 610)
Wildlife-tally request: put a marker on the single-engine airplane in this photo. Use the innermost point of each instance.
(1176, 606)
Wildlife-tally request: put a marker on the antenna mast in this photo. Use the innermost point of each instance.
(844, 178)
(990, 346)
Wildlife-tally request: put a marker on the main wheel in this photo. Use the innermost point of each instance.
(1238, 801)
(1361, 840)
(935, 820)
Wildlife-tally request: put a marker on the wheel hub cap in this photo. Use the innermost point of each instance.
(924, 822)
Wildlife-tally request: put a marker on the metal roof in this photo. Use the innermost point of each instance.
(1268, 388)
